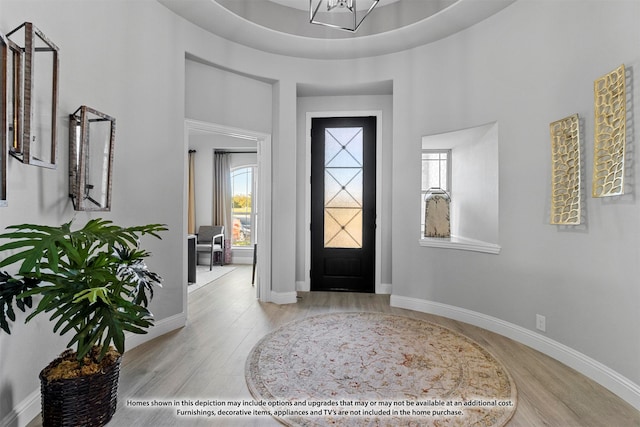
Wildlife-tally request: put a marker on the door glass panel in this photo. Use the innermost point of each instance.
(343, 188)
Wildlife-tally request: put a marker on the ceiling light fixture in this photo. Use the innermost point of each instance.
(340, 14)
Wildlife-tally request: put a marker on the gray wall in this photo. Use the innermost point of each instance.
(138, 78)
(531, 64)
(223, 97)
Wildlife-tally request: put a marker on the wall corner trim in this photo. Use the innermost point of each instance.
(603, 375)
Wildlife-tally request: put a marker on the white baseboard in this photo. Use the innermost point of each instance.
(284, 297)
(160, 327)
(29, 408)
(302, 286)
(24, 412)
(603, 375)
(384, 289)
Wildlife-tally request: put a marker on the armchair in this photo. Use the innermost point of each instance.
(210, 238)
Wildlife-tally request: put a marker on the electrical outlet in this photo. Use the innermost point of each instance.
(541, 322)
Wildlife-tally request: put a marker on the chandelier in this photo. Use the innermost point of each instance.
(340, 14)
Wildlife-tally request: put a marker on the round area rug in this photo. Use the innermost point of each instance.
(376, 369)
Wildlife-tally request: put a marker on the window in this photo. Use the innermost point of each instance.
(242, 191)
(436, 173)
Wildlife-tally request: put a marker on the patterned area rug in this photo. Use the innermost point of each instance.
(376, 369)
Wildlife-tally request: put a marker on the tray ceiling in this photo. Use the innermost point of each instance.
(282, 27)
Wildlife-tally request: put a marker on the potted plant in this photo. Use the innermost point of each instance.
(96, 286)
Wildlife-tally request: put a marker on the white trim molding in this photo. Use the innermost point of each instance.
(284, 297)
(603, 375)
(24, 412)
(384, 288)
(302, 286)
(159, 328)
(460, 243)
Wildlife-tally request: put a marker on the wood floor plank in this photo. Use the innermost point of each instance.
(205, 360)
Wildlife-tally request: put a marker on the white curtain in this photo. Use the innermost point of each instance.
(222, 198)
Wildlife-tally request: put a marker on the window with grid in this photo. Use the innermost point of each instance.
(242, 206)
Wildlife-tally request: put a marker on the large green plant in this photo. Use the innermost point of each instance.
(92, 280)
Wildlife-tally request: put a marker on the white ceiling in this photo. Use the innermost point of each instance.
(272, 26)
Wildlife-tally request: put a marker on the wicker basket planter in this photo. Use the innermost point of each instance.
(84, 401)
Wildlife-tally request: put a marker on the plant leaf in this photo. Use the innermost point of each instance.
(92, 295)
(92, 281)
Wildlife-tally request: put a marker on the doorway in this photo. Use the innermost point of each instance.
(343, 204)
(263, 203)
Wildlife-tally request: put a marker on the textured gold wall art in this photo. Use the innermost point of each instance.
(609, 134)
(565, 175)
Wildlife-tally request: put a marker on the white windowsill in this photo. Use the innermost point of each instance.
(460, 243)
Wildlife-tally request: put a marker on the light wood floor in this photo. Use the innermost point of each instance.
(205, 360)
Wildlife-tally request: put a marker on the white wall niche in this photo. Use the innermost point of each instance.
(474, 188)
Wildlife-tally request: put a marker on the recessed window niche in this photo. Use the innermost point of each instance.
(474, 188)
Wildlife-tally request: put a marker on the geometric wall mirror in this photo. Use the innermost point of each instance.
(91, 143)
(33, 96)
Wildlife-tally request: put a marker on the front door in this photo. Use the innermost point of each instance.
(343, 203)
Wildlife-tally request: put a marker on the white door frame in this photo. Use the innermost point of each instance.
(307, 209)
(263, 142)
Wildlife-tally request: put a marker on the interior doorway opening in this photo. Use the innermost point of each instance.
(261, 143)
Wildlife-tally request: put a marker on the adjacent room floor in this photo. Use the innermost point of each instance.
(205, 360)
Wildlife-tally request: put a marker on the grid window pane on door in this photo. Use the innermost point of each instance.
(436, 173)
(343, 171)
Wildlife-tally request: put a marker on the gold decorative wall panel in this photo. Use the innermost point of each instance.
(565, 162)
(609, 134)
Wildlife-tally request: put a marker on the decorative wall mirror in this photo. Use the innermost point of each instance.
(91, 142)
(33, 96)
(4, 53)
